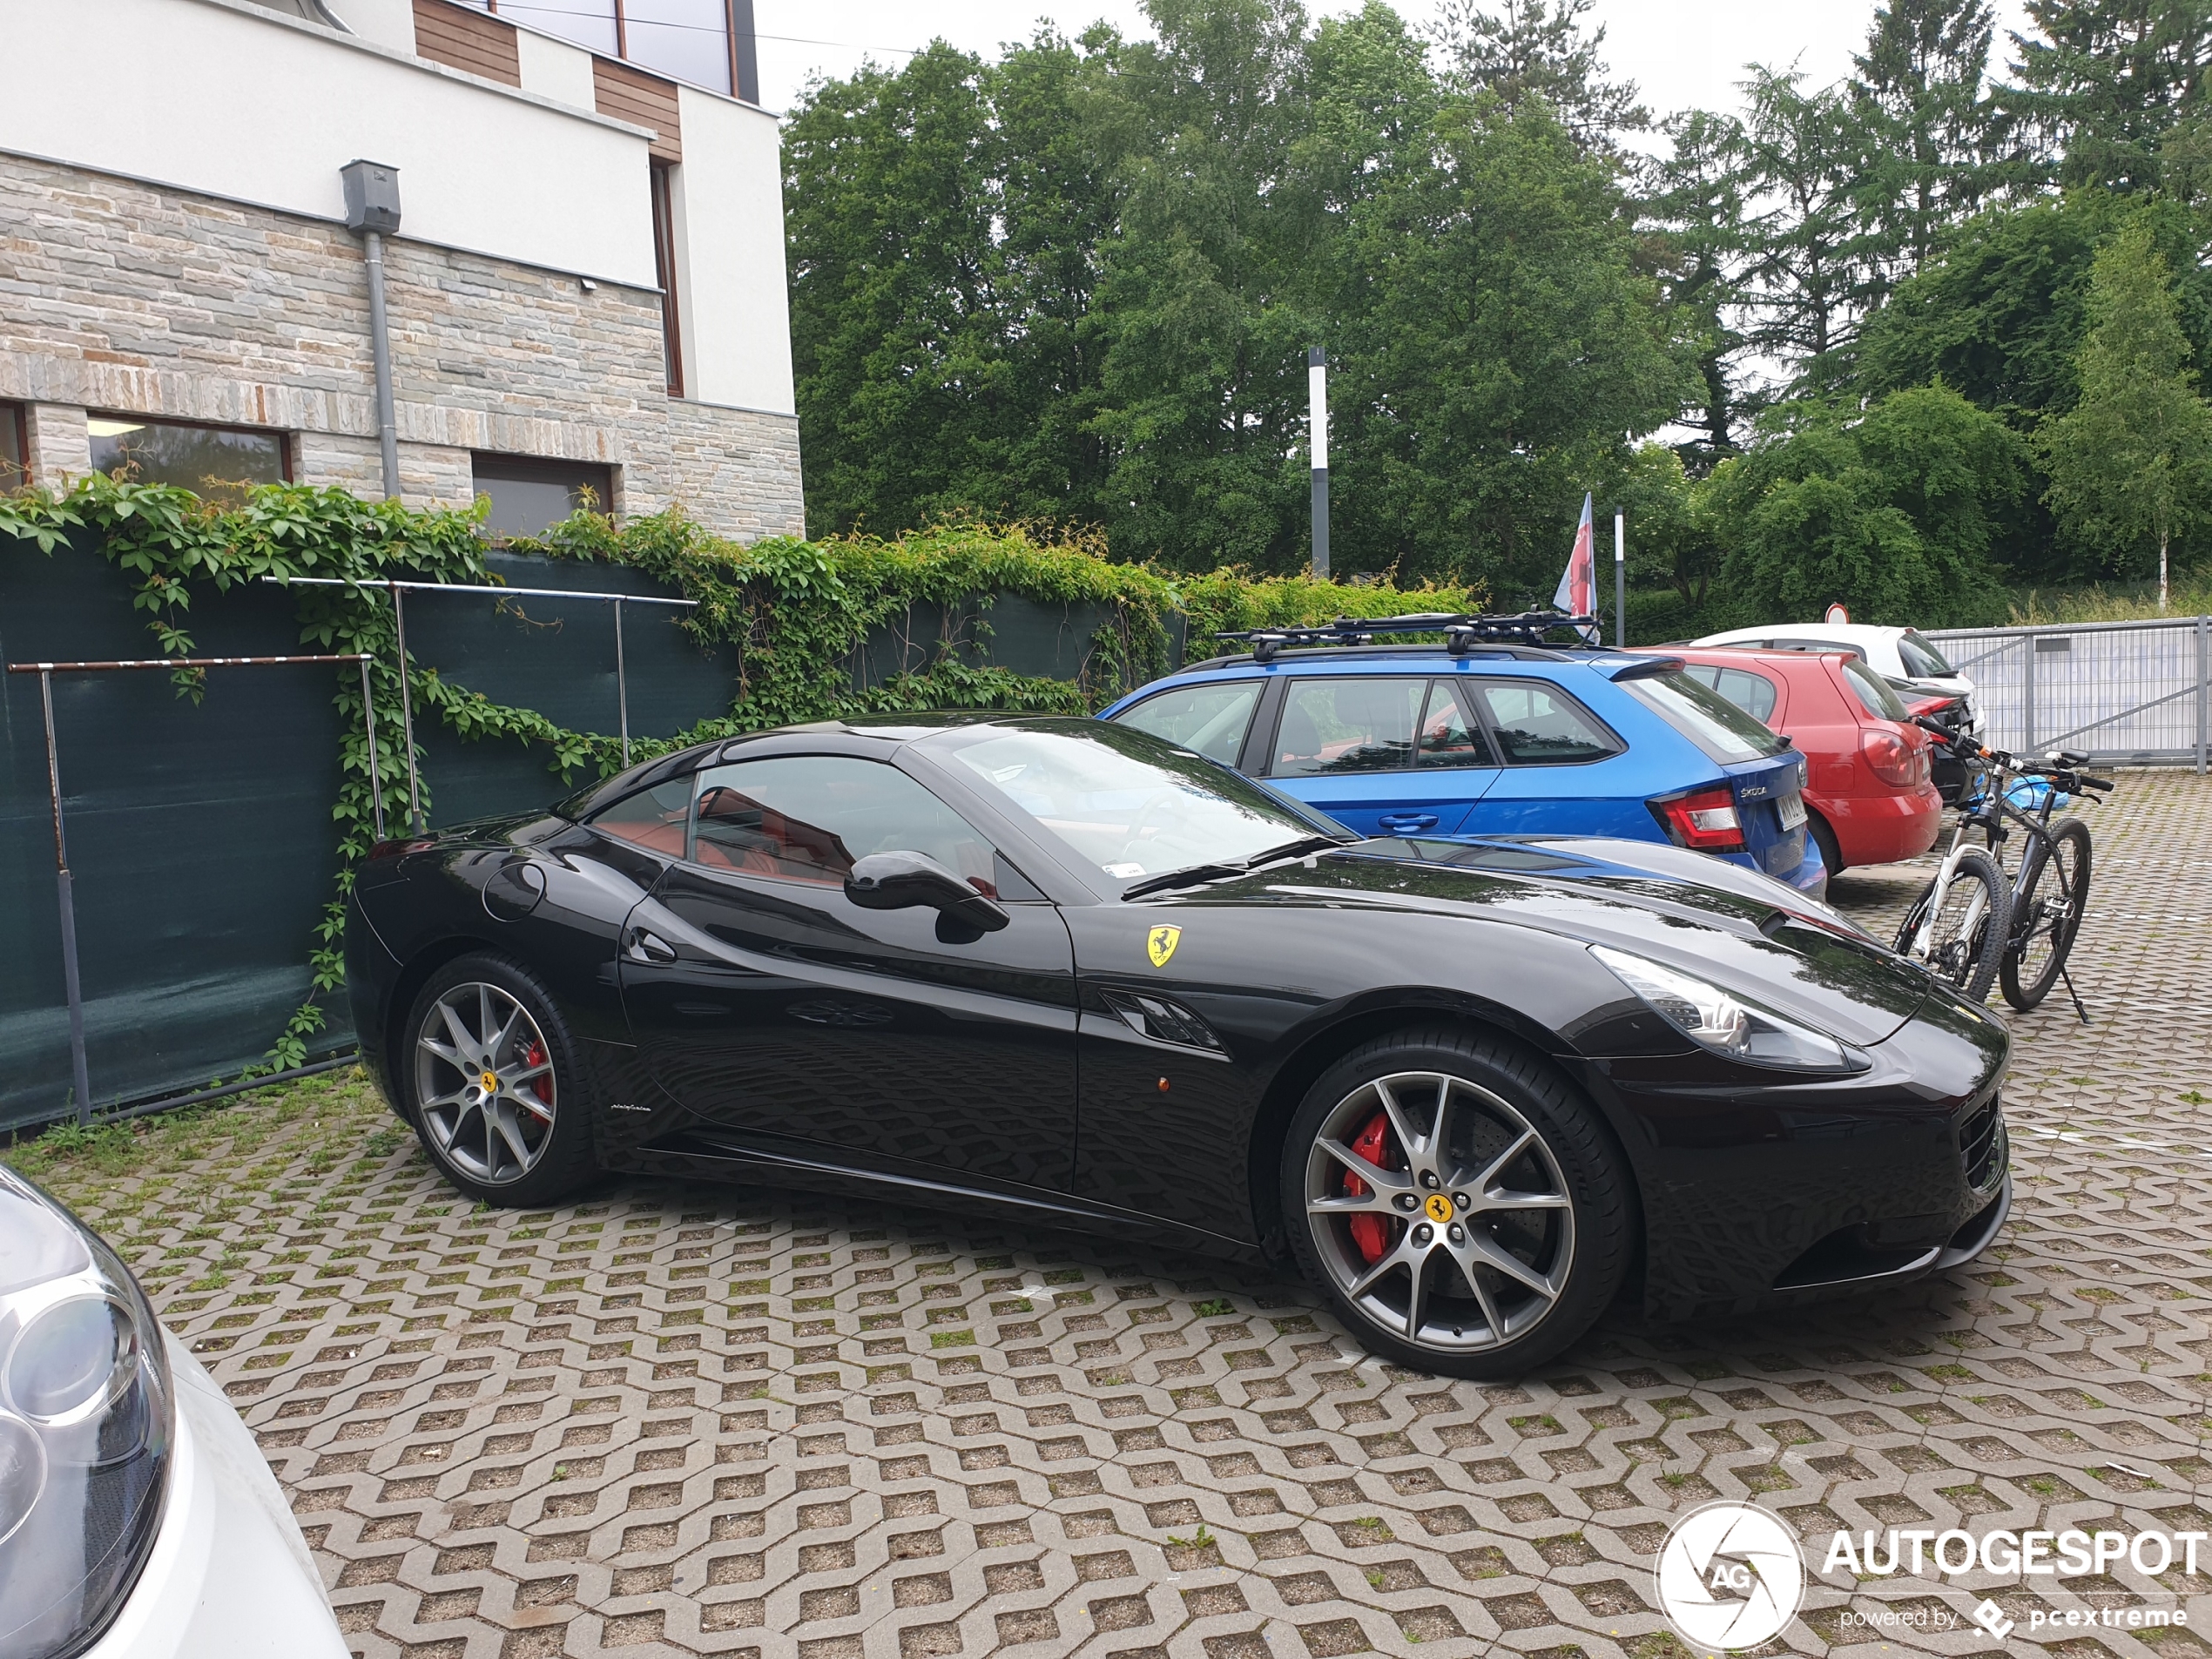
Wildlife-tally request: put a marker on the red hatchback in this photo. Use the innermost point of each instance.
(1868, 785)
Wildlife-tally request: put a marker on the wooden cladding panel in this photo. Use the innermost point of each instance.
(643, 100)
(461, 37)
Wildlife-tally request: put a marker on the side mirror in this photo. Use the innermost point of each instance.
(903, 881)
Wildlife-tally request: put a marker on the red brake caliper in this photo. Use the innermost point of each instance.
(540, 1086)
(1371, 1233)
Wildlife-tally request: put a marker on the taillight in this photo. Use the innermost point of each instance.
(1704, 820)
(1893, 760)
(399, 849)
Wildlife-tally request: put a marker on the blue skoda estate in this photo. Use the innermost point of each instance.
(1491, 733)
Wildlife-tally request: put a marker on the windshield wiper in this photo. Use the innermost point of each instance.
(1190, 875)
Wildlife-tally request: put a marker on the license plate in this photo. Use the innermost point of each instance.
(1792, 808)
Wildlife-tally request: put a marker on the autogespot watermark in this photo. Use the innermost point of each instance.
(1733, 1574)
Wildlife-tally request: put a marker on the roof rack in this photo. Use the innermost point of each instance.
(1462, 631)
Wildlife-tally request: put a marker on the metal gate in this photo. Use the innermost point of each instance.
(2129, 693)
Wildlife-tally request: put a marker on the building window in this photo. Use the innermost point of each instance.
(672, 329)
(707, 43)
(15, 447)
(219, 464)
(528, 494)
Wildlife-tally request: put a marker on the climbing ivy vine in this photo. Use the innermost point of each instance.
(796, 612)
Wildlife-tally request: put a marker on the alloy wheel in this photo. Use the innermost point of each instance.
(1439, 1211)
(484, 1082)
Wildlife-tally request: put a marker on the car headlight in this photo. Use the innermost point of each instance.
(1724, 1022)
(87, 1418)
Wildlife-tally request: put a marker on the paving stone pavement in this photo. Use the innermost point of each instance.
(676, 1418)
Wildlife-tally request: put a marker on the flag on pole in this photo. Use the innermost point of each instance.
(1577, 594)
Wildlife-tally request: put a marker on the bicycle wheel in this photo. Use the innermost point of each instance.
(2046, 913)
(1967, 938)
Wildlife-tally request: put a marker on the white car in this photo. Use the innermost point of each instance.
(1902, 655)
(138, 1520)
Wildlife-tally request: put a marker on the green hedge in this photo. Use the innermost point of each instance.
(796, 612)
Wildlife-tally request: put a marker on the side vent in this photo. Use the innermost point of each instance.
(1981, 1147)
(1162, 1019)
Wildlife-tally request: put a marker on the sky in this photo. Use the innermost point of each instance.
(1683, 54)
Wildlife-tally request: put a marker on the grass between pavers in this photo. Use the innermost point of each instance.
(229, 1175)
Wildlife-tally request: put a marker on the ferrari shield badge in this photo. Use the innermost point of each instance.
(1160, 944)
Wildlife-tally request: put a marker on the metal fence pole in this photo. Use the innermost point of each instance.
(407, 716)
(2027, 697)
(368, 717)
(2203, 688)
(80, 1075)
(621, 687)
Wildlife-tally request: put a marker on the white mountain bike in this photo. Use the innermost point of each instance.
(1958, 927)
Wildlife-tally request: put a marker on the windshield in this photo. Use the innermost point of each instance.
(1922, 660)
(1703, 716)
(1128, 803)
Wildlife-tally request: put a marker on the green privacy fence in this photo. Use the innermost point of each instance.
(212, 821)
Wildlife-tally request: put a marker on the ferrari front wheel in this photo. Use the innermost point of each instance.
(489, 1077)
(1463, 1210)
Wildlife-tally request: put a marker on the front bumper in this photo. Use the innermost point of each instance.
(230, 1577)
(1759, 1195)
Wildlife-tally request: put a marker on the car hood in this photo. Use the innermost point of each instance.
(1731, 926)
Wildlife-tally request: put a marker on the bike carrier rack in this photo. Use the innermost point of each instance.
(1463, 631)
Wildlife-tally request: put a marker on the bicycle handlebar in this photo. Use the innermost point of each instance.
(2059, 769)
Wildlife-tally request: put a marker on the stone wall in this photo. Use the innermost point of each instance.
(119, 296)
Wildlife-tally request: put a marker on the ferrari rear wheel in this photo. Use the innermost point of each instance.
(490, 1081)
(1463, 1208)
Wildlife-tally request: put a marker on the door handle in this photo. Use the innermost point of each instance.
(1399, 823)
(648, 947)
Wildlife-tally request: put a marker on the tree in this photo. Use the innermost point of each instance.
(1999, 316)
(1920, 87)
(1668, 542)
(1080, 283)
(1812, 267)
(1507, 345)
(1537, 49)
(2131, 464)
(1704, 248)
(1894, 513)
(2106, 81)
(931, 316)
(1201, 309)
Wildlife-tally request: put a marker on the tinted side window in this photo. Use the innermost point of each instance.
(1540, 725)
(1873, 692)
(808, 818)
(655, 819)
(1207, 720)
(1708, 719)
(1448, 737)
(1331, 726)
(1921, 659)
(1753, 693)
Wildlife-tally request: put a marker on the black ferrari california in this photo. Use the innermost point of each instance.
(1063, 971)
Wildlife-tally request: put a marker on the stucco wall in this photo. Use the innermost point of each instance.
(240, 104)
